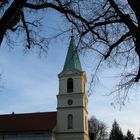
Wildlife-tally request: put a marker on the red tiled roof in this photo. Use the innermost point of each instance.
(45, 121)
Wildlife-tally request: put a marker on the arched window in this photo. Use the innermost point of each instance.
(70, 85)
(70, 121)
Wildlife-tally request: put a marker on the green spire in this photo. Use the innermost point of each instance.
(72, 61)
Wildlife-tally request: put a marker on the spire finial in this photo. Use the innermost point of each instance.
(72, 30)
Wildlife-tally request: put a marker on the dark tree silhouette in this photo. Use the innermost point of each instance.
(129, 136)
(116, 133)
(97, 129)
(111, 28)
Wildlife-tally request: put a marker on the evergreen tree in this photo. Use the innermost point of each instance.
(129, 136)
(116, 133)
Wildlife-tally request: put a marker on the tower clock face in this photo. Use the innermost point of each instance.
(70, 102)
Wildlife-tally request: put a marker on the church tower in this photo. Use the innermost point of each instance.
(72, 114)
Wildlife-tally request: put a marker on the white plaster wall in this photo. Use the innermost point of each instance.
(63, 100)
(78, 83)
(73, 136)
(78, 123)
(78, 109)
(25, 136)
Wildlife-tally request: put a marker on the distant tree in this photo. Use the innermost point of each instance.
(116, 133)
(129, 136)
(97, 129)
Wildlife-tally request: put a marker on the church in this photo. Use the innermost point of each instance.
(69, 122)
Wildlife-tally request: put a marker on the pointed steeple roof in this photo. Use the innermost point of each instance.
(72, 61)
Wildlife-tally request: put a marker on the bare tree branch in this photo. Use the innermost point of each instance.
(9, 17)
(117, 43)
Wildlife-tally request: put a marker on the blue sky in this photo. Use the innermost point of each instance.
(30, 84)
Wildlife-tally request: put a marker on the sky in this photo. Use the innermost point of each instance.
(30, 84)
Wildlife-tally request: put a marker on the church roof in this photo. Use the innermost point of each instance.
(45, 121)
(72, 61)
